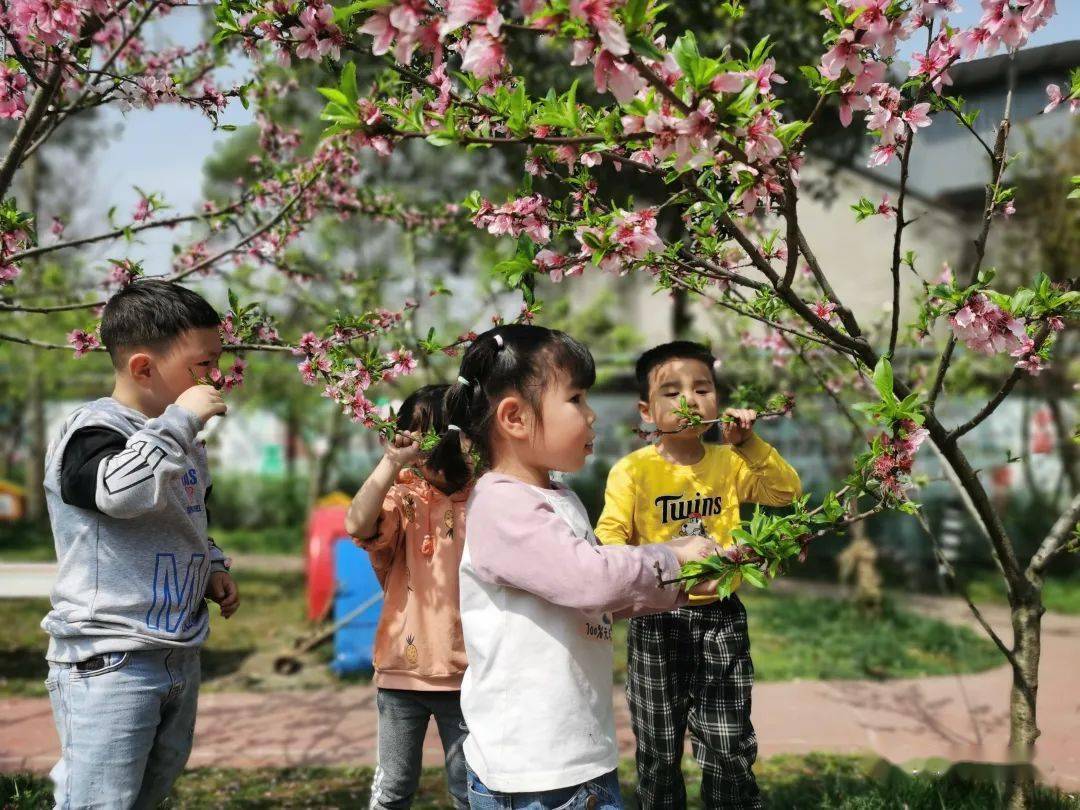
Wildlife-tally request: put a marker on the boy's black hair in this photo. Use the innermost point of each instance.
(151, 313)
(424, 410)
(676, 350)
(517, 358)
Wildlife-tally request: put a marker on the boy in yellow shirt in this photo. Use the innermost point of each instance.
(691, 666)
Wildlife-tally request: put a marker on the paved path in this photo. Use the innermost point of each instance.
(20, 580)
(950, 717)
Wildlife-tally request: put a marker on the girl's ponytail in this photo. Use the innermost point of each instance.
(449, 456)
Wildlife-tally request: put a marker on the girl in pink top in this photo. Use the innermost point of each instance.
(538, 592)
(409, 516)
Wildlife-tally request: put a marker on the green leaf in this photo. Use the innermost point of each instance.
(789, 133)
(345, 13)
(641, 44)
(760, 52)
(686, 53)
(635, 14)
(513, 269)
(753, 575)
(883, 380)
(348, 82)
(335, 95)
(440, 139)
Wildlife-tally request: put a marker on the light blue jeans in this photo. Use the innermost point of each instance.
(601, 793)
(125, 723)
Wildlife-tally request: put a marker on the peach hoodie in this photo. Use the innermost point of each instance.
(416, 553)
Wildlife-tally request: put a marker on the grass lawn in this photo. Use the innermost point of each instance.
(1060, 594)
(25, 542)
(792, 637)
(811, 782)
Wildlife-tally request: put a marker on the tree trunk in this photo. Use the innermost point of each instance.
(35, 450)
(1027, 613)
(1067, 448)
(35, 404)
(322, 463)
(680, 314)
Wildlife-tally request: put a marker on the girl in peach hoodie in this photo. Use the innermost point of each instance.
(409, 516)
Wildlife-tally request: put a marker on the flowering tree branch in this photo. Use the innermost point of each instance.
(1000, 396)
(125, 231)
(1063, 536)
(23, 135)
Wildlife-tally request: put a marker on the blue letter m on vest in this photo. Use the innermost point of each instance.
(172, 602)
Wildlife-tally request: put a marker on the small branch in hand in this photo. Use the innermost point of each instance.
(687, 424)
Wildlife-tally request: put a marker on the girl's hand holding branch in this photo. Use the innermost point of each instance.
(362, 519)
(403, 450)
(694, 547)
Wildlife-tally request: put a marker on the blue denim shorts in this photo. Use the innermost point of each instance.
(601, 793)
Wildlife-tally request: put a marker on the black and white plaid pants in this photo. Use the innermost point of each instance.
(691, 668)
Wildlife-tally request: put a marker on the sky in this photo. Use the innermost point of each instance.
(163, 150)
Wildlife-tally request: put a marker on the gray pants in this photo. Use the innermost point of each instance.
(125, 722)
(403, 722)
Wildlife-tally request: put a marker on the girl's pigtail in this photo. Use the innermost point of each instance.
(448, 456)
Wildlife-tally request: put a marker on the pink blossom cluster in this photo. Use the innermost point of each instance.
(346, 387)
(691, 139)
(824, 310)
(12, 92)
(859, 53)
(192, 255)
(317, 36)
(123, 272)
(83, 342)
(1027, 353)
(401, 363)
(348, 391)
(892, 468)
(629, 238)
(143, 209)
(558, 266)
(1028, 358)
(933, 64)
(49, 21)
(986, 328)
(11, 242)
(233, 378)
(253, 328)
(229, 334)
(482, 53)
(525, 215)
(8, 272)
(403, 26)
(1008, 23)
(772, 343)
(44, 30)
(599, 15)
(609, 71)
(1054, 97)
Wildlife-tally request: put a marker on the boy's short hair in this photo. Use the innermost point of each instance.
(151, 313)
(658, 355)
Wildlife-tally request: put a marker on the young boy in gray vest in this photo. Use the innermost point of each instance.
(126, 484)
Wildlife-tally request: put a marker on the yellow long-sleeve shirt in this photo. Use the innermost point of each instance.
(650, 500)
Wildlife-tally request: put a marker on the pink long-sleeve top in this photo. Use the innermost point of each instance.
(538, 596)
